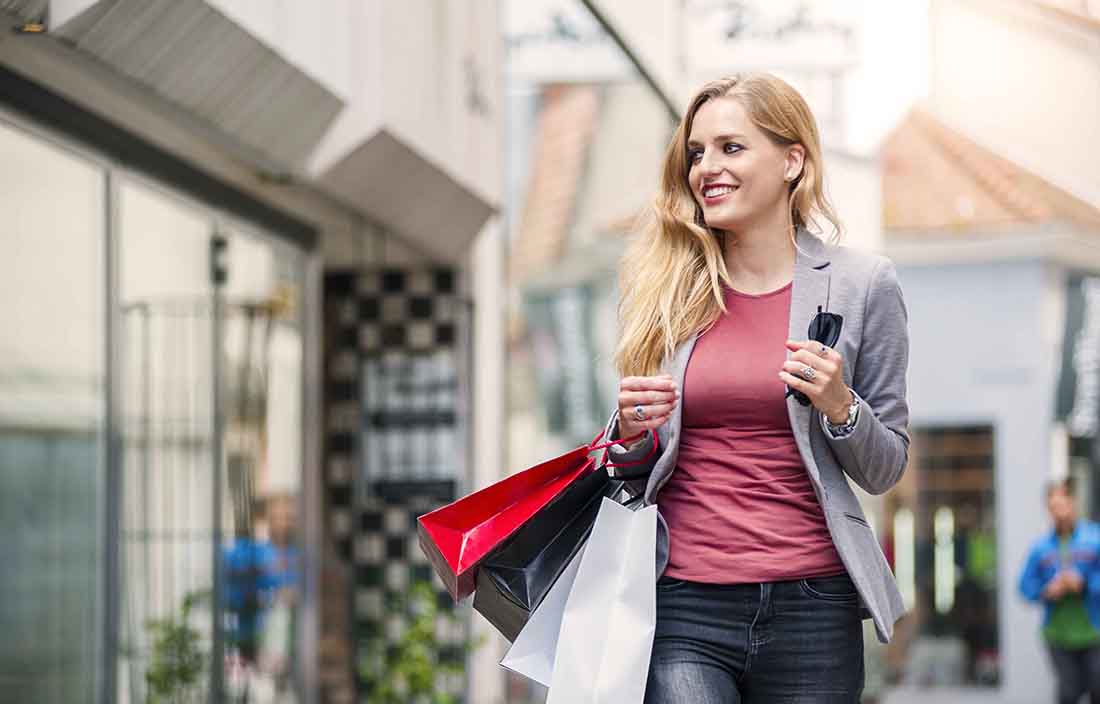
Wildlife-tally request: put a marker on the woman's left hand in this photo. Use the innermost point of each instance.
(826, 388)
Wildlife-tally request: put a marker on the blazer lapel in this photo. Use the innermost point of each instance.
(809, 289)
(678, 369)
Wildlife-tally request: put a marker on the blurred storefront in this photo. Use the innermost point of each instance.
(216, 214)
(992, 214)
(996, 264)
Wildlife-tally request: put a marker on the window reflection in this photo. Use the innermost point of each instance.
(51, 419)
(169, 385)
(944, 557)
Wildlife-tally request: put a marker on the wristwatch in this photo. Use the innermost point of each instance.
(839, 431)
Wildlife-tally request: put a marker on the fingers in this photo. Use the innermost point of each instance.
(662, 382)
(658, 395)
(795, 368)
(830, 362)
(629, 399)
(796, 382)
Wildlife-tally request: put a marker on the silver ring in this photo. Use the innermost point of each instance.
(808, 373)
(639, 413)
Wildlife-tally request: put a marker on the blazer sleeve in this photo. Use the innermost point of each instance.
(876, 452)
(616, 454)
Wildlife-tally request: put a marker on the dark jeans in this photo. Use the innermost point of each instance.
(777, 642)
(1077, 671)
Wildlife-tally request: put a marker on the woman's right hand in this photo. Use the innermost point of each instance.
(657, 396)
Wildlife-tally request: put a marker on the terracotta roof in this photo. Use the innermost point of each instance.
(567, 123)
(1086, 17)
(933, 178)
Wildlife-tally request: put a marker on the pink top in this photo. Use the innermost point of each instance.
(740, 506)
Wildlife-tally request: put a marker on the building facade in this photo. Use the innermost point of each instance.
(995, 263)
(183, 182)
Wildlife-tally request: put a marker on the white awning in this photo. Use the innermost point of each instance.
(195, 56)
(403, 190)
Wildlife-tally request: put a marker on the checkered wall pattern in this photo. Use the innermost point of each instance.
(375, 322)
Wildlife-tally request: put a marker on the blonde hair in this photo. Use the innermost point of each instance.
(671, 275)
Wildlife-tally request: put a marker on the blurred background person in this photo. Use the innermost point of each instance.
(1061, 573)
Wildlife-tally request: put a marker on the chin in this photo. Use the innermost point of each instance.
(726, 222)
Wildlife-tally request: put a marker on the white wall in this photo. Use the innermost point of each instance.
(854, 186)
(1022, 82)
(997, 371)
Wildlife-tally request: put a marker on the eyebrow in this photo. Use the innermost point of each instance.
(720, 138)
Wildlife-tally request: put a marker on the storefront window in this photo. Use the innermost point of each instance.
(170, 369)
(51, 419)
(942, 544)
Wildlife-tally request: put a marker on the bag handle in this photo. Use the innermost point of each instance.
(597, 445)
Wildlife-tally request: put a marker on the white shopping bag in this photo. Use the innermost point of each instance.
(532, 653)
(606, 635)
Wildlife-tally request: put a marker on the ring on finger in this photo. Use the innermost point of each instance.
(639, 413)
(808, 373)
(824, 351)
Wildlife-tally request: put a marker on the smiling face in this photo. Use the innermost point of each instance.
(737, 173)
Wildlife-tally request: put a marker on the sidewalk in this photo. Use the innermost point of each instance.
(948, 695)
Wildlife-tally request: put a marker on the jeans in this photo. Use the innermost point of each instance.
(1078, 672)
(776, 643)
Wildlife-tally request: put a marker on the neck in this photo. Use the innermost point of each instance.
(760, 256)
(1064, 529)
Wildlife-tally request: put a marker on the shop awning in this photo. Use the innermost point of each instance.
(415, 197)
(196, 57)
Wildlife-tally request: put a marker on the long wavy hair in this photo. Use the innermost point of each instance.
(671, 274)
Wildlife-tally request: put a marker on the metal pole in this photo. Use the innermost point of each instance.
(311, 498)
(112, 488)
(218, 275)
(633, 58)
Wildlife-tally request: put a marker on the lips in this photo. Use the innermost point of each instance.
(716, 192)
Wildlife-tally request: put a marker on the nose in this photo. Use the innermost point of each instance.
(708, 164)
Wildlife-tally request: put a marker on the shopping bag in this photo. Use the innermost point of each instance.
(459, 536)
(532, 652)
(513, 580)
(606, 636)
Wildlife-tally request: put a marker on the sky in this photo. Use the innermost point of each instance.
(893, 70)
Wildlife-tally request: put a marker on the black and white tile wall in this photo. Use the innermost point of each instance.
(395, 445)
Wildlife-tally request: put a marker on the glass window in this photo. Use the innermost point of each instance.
(263, 396)
(168, 323)
(167, 550)
(941, 542)
(51, 419)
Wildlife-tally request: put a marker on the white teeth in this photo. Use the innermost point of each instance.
(712, 191)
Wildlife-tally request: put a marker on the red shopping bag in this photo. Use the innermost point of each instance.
(459, 536)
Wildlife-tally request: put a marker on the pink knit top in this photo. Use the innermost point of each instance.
(740, 506)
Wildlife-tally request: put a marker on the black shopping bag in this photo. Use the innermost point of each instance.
(514, 580)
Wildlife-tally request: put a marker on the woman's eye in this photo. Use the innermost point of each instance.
(733, 148)
(694, 155)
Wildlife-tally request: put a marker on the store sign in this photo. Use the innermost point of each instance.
(560, 41)
(720, 35)
(1078, 401)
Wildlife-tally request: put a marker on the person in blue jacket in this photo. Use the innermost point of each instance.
(1063, 574)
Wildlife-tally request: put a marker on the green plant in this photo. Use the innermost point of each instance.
(405, 671)
(177, 662)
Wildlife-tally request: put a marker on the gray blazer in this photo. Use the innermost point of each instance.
(874, 343)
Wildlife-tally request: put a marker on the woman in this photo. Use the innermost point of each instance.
(768, 563)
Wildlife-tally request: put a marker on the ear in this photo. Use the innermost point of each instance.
(796, 157)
